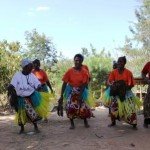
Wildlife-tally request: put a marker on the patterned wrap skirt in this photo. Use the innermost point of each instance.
(146, 104)
(123, 110)
(32, 107)
(76, 108)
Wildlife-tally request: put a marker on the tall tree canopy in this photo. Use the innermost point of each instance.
(137, 47)
(41, 47)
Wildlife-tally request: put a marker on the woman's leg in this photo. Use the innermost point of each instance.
(145, 123)
(113, 107)
(22, 128)
(36, 128)
(86, 123)
(135, 126)
(133, 120)
(113, 121)
(109, 112)
(72, 124)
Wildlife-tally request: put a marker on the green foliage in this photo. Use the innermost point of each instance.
(137, 48)
(135, 58)
(99, 64)
(40, 47)
(58, 71)
(85, 52)
(8, 62)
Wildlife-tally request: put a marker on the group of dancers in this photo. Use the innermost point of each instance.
(30, 92)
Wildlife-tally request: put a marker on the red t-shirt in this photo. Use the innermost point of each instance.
(127, 76)
(146, 69)
(76, 77)
(41, 75)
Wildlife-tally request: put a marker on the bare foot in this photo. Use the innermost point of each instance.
(112, 124)
(21, 131)
(87, 125)
(135, 127)
(145, 125)
(72, 127)
(72, 124)
(37, 130)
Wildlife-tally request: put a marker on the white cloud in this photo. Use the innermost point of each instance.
(32, 11)
(42, 8)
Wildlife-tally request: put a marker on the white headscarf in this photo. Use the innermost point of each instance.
(25, 62)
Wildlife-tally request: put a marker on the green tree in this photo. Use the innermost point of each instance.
(99, 63)
(137, 47)
(85, 52)
(58, 71)
(9, 56)
(40, 47)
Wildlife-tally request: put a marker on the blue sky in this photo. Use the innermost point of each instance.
(71, 24)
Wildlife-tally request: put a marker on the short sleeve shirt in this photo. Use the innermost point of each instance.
(76, 78)
(41, 75)
(24, 85)
(127, 76)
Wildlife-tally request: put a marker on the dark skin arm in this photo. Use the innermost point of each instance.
(39, 88)
(147, 80)
(12, 97)
(11, 89)
(60, 101)
(62, 92)
(49, 85)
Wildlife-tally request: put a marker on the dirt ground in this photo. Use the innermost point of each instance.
(56, 135)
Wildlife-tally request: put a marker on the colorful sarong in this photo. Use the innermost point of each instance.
(77, 107)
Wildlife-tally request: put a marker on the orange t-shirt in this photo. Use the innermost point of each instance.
(76, 77)
(127, 76)
(41, 75)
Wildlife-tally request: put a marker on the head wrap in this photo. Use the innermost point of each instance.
(25, 62)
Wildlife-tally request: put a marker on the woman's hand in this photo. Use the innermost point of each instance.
(60, 101)
(148, 81)
(60, 107)
(39, 88)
